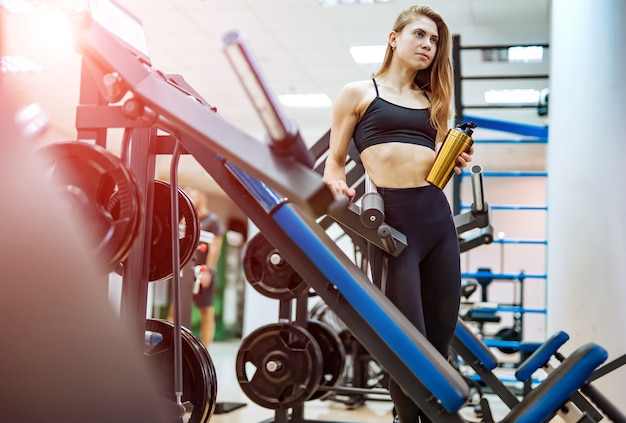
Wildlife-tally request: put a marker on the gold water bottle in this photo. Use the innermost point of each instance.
(457, 141)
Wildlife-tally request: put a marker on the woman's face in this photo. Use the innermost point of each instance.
(417, 42)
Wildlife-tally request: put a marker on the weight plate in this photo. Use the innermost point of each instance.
(321, 312)
(114, 207)
(199, 381)
(333, 357)
(208, 365)
(269, 273)
(279, 366)
(161, 266)
(87, 177)
(508, 334)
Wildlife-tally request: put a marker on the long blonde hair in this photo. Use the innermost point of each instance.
(437, 79)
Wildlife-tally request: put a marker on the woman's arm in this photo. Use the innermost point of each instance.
(345, 117)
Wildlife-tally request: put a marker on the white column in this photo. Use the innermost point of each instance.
(587, 180)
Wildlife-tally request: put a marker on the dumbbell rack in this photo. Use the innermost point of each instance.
(140, 146)
(98, 111)
(94, 116)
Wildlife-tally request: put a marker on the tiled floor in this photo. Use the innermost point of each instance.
(223, 354)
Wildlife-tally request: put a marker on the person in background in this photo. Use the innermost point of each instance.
(199, 272)
(398, 120)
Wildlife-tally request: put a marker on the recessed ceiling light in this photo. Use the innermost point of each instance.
(32, 120)
(18, 64)
(368, 54)
(526, 54)
(33, 6)
(516, 54)
(316, 100)
(337, 2)
(512, 97)
(17, 6)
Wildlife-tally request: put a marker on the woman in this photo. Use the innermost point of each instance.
(398, 120)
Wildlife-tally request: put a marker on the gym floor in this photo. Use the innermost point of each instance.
(223, 355)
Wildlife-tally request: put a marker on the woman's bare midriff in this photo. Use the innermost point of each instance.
(398, 165)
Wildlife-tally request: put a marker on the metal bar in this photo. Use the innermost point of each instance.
(500, 106)
(354, 390)
(509, 207)
(607, 368)
(511, 173)
(476, 172)
(537, 140)
(485, 374)
(285, 139)
(320, 146)
(498, 343)
(136, 267)
(603, 403)
(484, 77)
(481, 237)
(457, 75)
(350, 219)
(517, 309)
(511, 127)
(291, 179)
(502, 276)
(501, 46)
(96, 117)
(477, 217)
(369, 185)
(177, 338)
(521, 241)
(458, 115)
(89, 94)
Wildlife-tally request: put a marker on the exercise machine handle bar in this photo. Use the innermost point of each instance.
(368, 221)
(477, 217)
(476, 173)
(373, 215)
(285, 139)
(372, 205)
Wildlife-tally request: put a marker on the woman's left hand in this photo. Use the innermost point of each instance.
(463, 160)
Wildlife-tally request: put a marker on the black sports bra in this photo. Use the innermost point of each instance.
(385, 122)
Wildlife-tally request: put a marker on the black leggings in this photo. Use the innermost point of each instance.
(424, 281)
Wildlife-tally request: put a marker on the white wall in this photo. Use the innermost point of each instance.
(586, 186)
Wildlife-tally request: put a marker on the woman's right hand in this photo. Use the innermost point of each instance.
(339, 186)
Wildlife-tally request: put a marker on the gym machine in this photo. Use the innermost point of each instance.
(579, 408)
(277, 188)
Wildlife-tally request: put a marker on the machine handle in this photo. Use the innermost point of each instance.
(387, 239)
(372, 205)
(478, 205)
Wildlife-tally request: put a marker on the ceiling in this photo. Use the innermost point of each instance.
(302, 47)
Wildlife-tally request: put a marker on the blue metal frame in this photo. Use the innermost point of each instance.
(511, 127)
(537, 140)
